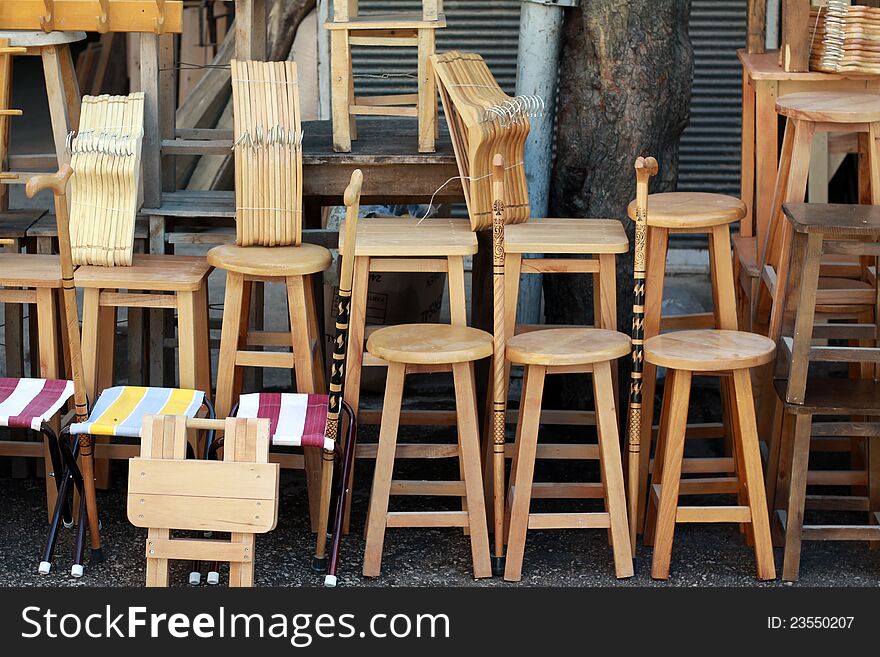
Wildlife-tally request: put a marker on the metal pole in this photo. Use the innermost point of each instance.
(540, 43)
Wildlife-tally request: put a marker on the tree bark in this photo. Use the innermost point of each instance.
(624, 91)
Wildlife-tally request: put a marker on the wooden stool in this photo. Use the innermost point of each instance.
(807, 114)
(689, 213)
(292, 266)
(349, 29)
(714, 352)
(238, 494)
(408, 349)
(555, 351)
(402, 245)
(35, 279)
(820, 229)
(62, 91)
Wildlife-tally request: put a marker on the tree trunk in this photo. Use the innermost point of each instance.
(624, 91)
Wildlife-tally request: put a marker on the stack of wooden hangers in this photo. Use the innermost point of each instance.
(485, 121)
(846, 39)
(268, 154)
(106, 159)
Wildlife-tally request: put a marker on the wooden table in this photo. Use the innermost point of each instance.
(763, 81)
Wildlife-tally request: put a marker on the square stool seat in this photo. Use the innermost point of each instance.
(148, 272)
(577, 235)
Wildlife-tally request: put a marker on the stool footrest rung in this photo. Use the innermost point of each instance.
(713, 514)
(441, 488)
(599, 520)
(708, 485)
(835, 532)
(559, 451)
(568, 490)
(409, 417)
(245, 358)
(427, 519)
(412, 451)
(705, 465)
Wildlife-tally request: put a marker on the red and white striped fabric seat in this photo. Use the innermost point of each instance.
(27, 403)
(295, 420)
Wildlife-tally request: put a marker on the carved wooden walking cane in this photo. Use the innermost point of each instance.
(498, 361)
(645, 168)
(57, 182)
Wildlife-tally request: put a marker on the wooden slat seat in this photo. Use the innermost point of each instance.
(567, 346)
(685, 210)
(829, 396)
(709, 350)
(271, 261)
(148, 272)
(576, 235)
(834, 218)
(830, 106)
(430, 344)
(30, 270)
(408, 237)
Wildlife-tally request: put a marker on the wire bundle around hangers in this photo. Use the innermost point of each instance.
(846, 39)
(268, 153)
(483, 121)
(106, 160)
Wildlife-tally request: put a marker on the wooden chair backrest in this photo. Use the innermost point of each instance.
(237, 494)
(344, 10)
(352, 199)
(104, 188)
(268, 153)
(480, 129)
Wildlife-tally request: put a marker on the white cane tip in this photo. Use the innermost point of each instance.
(195, 578)
(45, 567)
(76, 570)
(330, 580)
(213, 578)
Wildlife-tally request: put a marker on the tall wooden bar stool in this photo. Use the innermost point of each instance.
(407, 349)
(806, 114)
(348, 28)
(687, 213)
(850, 406)
(402, 245)
(717, 352)
(268, 247)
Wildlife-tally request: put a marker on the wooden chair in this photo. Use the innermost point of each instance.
(312, 420)
(543, 352)
(849, 406)
(117, 413)
(238, 494)
(716, 352)
(348, 28)
(269, 248)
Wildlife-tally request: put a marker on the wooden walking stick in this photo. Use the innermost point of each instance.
(57, 182)
(645, 168)
(498, 361)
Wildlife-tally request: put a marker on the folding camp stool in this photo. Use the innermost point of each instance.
(238, 494)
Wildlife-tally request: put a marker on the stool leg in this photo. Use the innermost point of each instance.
(657, 474)
(794, 521)
(469, 456)
(751, 464)
(521, 487)
(203, 341)
(656, 269)
(384, 468)
(319, 563)
(187, 339)
(612, 468)
(297, 305)
(427, 109)
(90, 323)
(340, 96)
(873, 468)
(229, 336)
(672, 456)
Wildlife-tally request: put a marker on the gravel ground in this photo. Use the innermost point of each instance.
(703, 555)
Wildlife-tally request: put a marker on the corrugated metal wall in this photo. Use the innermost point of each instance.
(710, 146)
(489, 27)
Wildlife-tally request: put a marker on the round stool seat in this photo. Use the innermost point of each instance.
(567, 346)
(709, 350)
(38, 38)
(280, 261)
(830, 106)
(691, 210)
(430, 344)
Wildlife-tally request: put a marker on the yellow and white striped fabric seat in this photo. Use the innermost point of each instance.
(120, 411)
